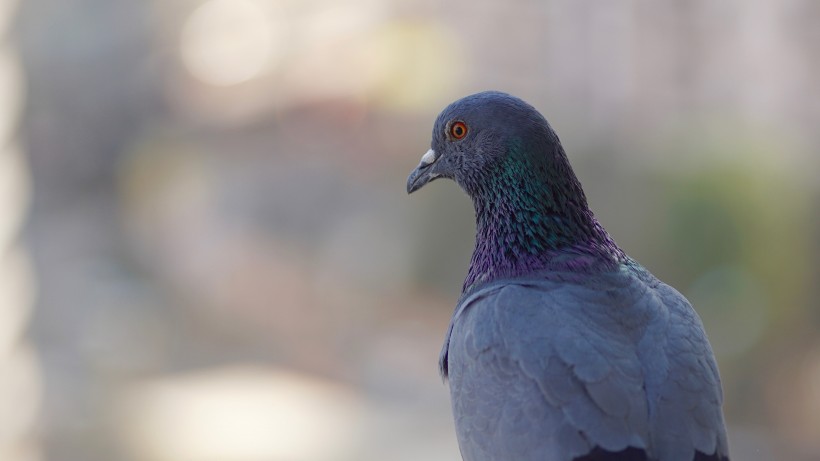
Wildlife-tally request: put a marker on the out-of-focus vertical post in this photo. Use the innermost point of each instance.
(19, 370)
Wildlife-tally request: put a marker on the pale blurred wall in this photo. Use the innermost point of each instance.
(20, 385)
(227, 266)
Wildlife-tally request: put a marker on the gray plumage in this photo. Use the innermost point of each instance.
(549, 369)
(561, 347)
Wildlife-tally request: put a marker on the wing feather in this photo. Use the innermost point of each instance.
(542, 367)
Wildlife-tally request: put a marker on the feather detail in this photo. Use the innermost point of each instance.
(586, 377)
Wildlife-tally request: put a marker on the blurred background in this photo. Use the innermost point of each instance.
(207, 252)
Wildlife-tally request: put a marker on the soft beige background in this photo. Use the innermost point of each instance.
(207, 254)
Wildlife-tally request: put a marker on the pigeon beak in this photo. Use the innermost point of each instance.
(423, 173)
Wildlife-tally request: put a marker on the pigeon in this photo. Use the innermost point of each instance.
(561, 346)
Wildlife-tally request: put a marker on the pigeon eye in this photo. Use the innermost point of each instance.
(458, 130)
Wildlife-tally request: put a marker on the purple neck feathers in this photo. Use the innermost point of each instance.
(531, 226)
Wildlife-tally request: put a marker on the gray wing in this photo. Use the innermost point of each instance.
(545, 370)
(683, 384)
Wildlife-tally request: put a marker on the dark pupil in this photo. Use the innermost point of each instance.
(459, 130)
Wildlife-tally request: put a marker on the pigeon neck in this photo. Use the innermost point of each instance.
(528, 223)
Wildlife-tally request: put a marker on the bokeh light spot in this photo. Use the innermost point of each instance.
(415, 64)
(242, 413)
(227, 42)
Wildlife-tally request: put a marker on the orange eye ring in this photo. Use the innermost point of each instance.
(458, 130)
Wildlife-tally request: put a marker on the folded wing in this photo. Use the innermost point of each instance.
(543, 369)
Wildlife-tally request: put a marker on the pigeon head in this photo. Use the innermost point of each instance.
(530, 208)
(480, 138)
